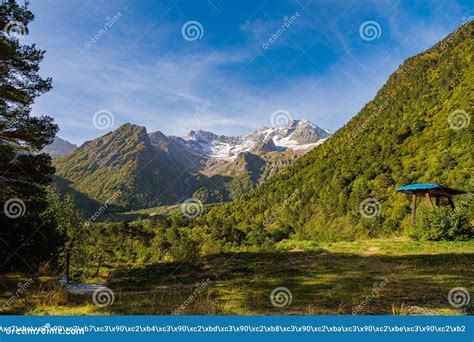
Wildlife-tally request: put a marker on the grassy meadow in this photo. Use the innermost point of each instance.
(394, 276)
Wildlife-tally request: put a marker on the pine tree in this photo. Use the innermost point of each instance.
(25, 234)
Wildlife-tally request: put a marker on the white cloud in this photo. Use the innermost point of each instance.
(159, 81)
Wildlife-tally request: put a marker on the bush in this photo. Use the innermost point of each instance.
(442, 224)
(298, 245)
(185, 249)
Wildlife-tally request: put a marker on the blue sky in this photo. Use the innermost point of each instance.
(320, 64)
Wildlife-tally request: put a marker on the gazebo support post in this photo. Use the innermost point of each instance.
(428, 200)
(413, 208)
(451, 202)
(429, 190)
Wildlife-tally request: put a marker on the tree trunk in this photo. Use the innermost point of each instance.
(98, 266)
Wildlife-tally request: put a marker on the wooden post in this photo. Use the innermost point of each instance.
(98, 266)
(451, 203)
(413, 208)
(438, 200)
(428, 200)
(68, 260)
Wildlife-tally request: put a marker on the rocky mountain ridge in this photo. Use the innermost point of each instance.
(150, 169)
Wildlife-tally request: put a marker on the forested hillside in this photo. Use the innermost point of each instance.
(131, 169)
(121, 168)
(415, 130)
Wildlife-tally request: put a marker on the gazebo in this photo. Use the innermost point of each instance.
(428, 191)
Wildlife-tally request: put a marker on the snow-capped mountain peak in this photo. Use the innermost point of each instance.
(296, 135)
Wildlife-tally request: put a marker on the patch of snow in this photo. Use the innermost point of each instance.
(228, 148)
(62, 279)
(294, 145)
(83, 288)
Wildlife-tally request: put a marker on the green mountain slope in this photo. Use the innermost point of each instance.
(400, 137)
(121, 168)
(130, 169)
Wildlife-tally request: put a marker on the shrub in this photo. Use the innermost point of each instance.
(298, 245)
(442, 224)
(185, 249)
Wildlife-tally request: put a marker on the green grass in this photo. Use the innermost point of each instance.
(332, 278)
(132, 215)
(159, 211)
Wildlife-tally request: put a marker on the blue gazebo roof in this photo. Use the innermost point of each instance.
(419, 186)
(428, 186)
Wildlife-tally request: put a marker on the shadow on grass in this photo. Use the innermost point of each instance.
(241, 283)
(319, 283)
